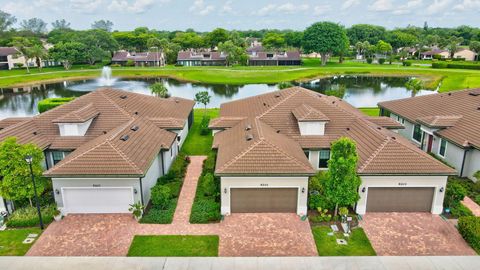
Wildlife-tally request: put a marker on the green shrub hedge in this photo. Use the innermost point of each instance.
(204, 130)
(381, 61)
(28, 217)
(50, 103)
(469, 228)
(407, 63)
(455, 65)
(206, 206)
(459, 210)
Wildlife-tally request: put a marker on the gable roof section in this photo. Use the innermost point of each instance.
(78, 116)
(385, 122)
(458, 113)
(305, 113)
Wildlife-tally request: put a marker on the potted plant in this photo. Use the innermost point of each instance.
(57, 214)
(137, 210)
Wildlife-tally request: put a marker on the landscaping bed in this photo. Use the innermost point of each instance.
(206, 206)
(28, 216)
(165, 193)
(357, 243)
(457, 189)
(174, 246)
(11, 241)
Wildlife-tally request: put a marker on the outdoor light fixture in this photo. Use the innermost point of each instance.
(57, 191)
(28, 159)
(363, 190)
(303, 190)
(135, 191)
(225, 190)
(441, 189)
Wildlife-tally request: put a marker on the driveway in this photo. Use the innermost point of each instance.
(413, 234)
(240, 234)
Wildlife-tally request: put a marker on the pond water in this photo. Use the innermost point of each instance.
(360, 91)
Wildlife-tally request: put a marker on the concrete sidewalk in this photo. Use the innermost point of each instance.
(270, 263)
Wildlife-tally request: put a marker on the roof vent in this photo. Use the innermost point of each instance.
(264, 104)
(277, 95)
(104, 132)
(248, 127)
(249, 137)
(134, 128)
(124, 138)
(333, 102)
(475, 94)
(35, 133)
(348, 128)
(379, 128)
(278, 131)
(136, 113)
(394, 138)
(123, 96)
(449, 94)
(177, 100)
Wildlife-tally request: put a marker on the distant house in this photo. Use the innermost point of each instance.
(428, 55)
(467, 54)
(11, 58)
(254, 42)
(141, 59)
(193, 58)
(290, 58)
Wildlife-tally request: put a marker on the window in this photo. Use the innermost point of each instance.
(417, 133)
(323, 157)
(443, 148)
(307, 154)
(57, 156)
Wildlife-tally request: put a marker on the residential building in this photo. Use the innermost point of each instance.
(269, 145)
(141, 59)
(466, 54)
(205, 58)
(428, 55)
(105, 150)
(10, 58)
(263, 58)
(445, 125)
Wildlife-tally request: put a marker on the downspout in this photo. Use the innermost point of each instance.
(141, 190)
(163, 165)
(463, 161)
(46, 159)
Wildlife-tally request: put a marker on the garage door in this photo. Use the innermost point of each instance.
(414, 199)
(263, 200)
(97, 200)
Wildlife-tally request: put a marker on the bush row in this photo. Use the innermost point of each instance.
(50, 103)
(455, 65)
(469, 228)
(28, 216)
(206, 206)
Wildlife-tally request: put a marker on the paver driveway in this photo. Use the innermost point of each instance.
(240, 234)
(410, 234)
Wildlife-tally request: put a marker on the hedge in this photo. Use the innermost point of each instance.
(469, 228)
(50, 103)
(28, 216)
(455, 65)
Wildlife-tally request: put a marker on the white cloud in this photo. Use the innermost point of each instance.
(409, 7)
(85, 6)
(17, 8)
(266, 9)
(199, 7)
(468, 5)
(136, 6)
(349, 3)
(285, 8)
(382, 5)
(438, 6)
(227, 7)
(321, 9)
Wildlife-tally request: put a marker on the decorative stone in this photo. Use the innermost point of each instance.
(32, 235)
(28, 240)
(341, 241)
(334, 227)
(330, 234)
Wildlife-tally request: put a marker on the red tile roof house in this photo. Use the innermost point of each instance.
(265, 58)
(207, 58)
(141, 59)
(446, 125)
(106, 149)
(269, 145)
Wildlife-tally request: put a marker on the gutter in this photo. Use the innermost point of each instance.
(163, 163)
(141, 190)
(463, 161)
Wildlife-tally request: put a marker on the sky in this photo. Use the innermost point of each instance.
(205, 15)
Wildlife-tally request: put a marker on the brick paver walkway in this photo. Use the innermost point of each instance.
(470, 204)
(240, 234)
(413, 234)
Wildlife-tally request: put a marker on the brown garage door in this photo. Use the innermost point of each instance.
(263, 200)
(414, 199)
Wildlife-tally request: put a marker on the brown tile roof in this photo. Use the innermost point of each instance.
(444, 110)
(204, 56)
(385, 122)
(122, 56)
(78, 116)
(224, 122)
(5, 51)
(274, 110)
(4, 123)
(290, 55)
(115, 111)
(305, 113)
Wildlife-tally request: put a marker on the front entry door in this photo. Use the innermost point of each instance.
(429, 143)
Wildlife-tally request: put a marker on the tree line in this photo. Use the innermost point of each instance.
(101, 41)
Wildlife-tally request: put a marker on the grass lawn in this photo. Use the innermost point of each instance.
(196, 144)
(11, 241)
(358, 243)
(452, 79)
(174, 246)
(370, 111)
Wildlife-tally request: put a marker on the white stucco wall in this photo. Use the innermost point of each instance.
(74, 129)
(58, 183)
(150, 179)
(403, 181)
(3, 207)
(312, 128)
(264, 182)
(472, 164)
(169, 156)
(182, 133)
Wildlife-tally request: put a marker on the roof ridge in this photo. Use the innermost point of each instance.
(374, 154)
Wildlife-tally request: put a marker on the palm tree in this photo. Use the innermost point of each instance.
(23, 47)
(38, 52)
(159, 90)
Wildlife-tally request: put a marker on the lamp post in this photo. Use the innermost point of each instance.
(29, 160)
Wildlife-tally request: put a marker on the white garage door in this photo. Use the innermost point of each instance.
(97, 200)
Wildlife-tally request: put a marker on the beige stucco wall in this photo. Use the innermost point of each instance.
(264, 182)
(403, 181)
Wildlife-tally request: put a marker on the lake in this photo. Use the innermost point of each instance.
(360, 91)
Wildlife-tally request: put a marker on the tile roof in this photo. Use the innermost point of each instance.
(204, 56)
(141, 56)
(263, 55)
(4, 123)
(116, 111)
(5, 51)
(385, 122)
(274, 113)
(78, 116)
(457, 114)
(305, 113)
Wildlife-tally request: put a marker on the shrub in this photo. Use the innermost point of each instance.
(454, 194)
(439, 65)
(115, 65)
(205, 210)
(28, 216)
(322, 216)
(209, 163)
(284, 85)
(437, 56)
(477, 199)
(477, 184)
(18, 65)
(208, 184)
(204, 130)
(50, 103)
(178, 65)
(381, 61)
(469, 228)
(161, 196)
(130, 63)
(316, 200)
(407, 63)
(369, 60)
(455, 65)
(460, 210)
(156, 215)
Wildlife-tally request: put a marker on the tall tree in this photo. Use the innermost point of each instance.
(212, 39)
(475, 46)
(342, 183)
(38, 53)
(365, 32)
(159, 90)
(60, 24)
(34, 25)
(189, 40)
(23, 46)
(383, 47)
(452, 45)
(203, 97)
(273, 40)
(6, 21)
(16, 181)
(103, 25)
(294, 39)
(325, 38)
(235, 54)
(100, 44)
(68, 53)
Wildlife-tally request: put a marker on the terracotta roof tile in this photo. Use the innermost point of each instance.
(78, 116)
(385, 122)
(306, 113)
